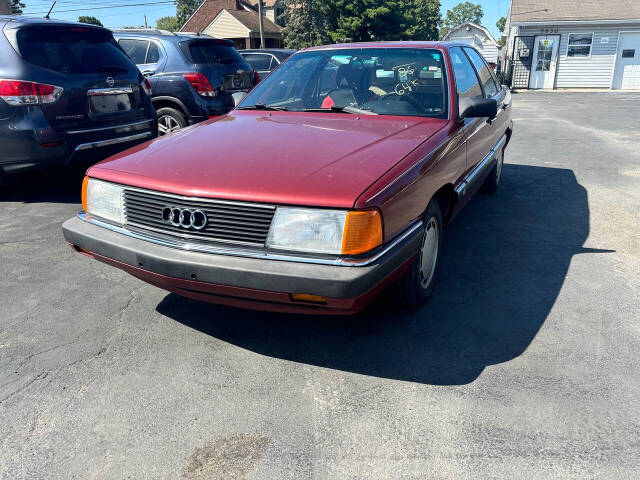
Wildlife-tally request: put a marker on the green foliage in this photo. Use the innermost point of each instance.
(185, 8)
(134, 27)
(89, 20)
(306, 23)
(422, 18)
(168, 23)
(365, 20)
(16, 7)
(316, 22)
(500, 24)
(461, 13)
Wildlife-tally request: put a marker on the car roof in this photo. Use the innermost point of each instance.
(400, 44)
(19, 19)
(268, 50)
(166, 35)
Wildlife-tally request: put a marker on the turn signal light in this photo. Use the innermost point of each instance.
(362, 231)
(305, 297)
(85, 183)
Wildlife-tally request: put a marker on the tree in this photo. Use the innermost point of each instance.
(89, 20)
(461, 13)
(421, 19)
(500, 24)
(16, 7)
(186, 8)
(168, 23)
(365, 20)
(307, 23)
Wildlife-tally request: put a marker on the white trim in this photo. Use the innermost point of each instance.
(574, 22)
(192, 15)
(576, 45)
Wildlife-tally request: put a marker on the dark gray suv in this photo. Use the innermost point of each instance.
(68, 93)
(193, 76)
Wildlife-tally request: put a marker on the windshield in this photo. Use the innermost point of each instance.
(383, 81)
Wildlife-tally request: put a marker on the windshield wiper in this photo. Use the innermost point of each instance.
(341, 109)
(262, 106)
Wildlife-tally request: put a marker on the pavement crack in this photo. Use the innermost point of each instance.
(40, 376)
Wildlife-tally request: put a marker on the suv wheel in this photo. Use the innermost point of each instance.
(492, 182)
(170, 120)
(418, 284)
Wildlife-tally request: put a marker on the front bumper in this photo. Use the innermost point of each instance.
(257, 283)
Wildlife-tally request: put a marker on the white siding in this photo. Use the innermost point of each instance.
(478, 39)
(595, 71)
(226, 26)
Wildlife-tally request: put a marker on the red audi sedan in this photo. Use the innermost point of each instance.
(329, 183)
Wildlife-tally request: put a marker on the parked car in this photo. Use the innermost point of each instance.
(264, 61)
(67, 92)
(192, 76)
(326, 206)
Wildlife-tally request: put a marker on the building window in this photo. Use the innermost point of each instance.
(579, 45)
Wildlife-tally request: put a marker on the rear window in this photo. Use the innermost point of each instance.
(205, 52)
(72, 50)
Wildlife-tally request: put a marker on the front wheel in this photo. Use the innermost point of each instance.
(418, 284)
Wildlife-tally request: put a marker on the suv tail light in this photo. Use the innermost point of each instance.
(18, 92)
(256, 77)
(146, 86)
(200, 84)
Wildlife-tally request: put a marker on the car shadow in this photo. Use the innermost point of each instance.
(505, 260)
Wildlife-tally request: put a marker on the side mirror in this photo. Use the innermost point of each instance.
(238, 97)
(477, 107)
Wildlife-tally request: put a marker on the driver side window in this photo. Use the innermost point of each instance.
(467, 83)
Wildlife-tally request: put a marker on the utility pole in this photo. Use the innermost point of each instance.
(260, 23)
(145, 21)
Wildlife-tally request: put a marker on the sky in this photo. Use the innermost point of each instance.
(120, 13)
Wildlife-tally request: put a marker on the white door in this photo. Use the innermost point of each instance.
(627, 72)
(545, 59)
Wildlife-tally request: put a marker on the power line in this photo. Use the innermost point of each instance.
(166, 2)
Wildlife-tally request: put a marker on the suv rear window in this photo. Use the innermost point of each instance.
(211, 52)
(72, 49)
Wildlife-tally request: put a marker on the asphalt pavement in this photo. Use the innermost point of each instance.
(525, 363)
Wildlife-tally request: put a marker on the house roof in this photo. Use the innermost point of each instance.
(524, 11)
(5, 7)
(479, 27)
(265, 3)
(250, 20)
(206, 12)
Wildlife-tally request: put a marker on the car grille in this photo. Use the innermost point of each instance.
(229, 222)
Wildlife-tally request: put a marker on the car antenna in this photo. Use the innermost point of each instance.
(50, 10)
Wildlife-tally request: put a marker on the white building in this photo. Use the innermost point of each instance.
(476, 36)
(573, 44)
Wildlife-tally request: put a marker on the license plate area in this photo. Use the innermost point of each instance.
(100, 104)
(237, 81)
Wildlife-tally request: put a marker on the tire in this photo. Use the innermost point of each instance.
(418, 284)
(492, 182)
(170, 120)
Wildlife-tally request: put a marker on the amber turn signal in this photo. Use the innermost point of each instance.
(85, 182)
(305, 297)
(362, 231)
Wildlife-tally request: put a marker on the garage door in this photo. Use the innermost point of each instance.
(627, 73)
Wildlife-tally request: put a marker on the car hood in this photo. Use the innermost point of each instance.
(325, 159)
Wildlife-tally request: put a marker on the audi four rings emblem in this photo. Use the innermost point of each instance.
(184, 217)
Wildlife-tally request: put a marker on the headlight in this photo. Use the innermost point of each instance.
(336, 232)
(103, 199)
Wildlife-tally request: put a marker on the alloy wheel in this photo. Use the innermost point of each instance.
(167, 124)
